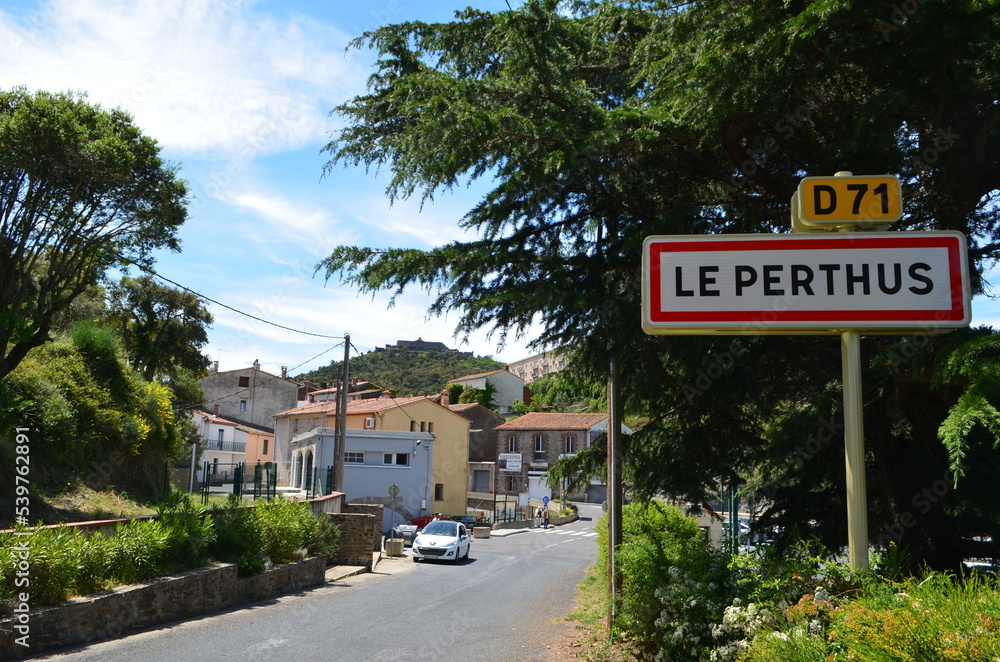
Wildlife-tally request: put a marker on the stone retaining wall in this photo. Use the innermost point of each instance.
(360, 533)
(123, 610)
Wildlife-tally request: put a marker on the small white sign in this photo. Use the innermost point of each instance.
(513, 461)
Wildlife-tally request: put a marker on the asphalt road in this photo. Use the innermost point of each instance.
(505, 603)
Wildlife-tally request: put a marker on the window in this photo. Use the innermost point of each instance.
(243, 405)
(397, 459)
(355, 457)
(511, 483)
(430, 427)
(263, 448)
(539, 447)
(413, 426)
(370, 423)
(511, 444)
(222, 435)
(570, 445)
(480, 480)
(439, 491)
(244, 381)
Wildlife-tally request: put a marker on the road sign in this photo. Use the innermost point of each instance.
(394, 490)
(805, 283)
(822, 202)
(545, 501)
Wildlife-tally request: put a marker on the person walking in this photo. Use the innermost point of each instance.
(545, 517)
(538, 517)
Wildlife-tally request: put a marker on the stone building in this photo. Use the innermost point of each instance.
(250, 395)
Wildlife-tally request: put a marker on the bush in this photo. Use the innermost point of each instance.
(288, 526)
(937, 618)
(189, 532)
(239, 538)
(326, 539)
(52, 565)
(673, 585)
(138, 551)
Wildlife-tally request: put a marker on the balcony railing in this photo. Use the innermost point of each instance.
(225, 446)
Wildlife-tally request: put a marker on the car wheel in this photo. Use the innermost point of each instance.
(416, 559)
(467, 550)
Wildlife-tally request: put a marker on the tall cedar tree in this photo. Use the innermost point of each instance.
(615, 120)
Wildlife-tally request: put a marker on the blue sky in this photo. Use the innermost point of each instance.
(238, 94)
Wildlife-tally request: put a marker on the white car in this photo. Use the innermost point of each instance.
(442, 539)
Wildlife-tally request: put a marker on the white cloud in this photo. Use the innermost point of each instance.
(209, 79)
(312, 229)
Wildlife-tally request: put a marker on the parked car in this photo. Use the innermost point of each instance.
(468, 520)
(442, 540)
(405, 531)
(421, 522)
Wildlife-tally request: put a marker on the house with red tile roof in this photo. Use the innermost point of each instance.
(528, 445)
(449, 475)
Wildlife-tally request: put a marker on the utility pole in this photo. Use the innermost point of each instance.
(338, 465)
(614, 485)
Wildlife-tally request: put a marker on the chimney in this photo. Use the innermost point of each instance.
(215, 410)
(284, 372)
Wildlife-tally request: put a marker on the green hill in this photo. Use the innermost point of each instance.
(406, 372)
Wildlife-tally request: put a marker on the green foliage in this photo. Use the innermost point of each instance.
(933, 619)
(239, 538)
(163, 328)
(326, 539)
(189, 531)
(407, 372)
(565, 391)
(269, 532)
(455, 392)
(81, 190)
(101, 423)
(138, 551)
(288, 527)
(671, 581)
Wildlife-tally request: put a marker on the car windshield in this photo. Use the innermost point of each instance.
(440, 528)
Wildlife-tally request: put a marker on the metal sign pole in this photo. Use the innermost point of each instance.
(854, 449)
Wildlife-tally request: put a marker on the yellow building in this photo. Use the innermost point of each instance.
(450, 463)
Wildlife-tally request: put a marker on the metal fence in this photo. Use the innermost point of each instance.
(259, 480)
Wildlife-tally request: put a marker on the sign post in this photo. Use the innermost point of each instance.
(825, 279)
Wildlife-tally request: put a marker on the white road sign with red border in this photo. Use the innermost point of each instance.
(805, 283)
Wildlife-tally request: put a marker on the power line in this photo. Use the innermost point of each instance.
(244, 390)
(152, 272)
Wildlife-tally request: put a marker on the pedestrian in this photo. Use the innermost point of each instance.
(538, 517)
(545, 517)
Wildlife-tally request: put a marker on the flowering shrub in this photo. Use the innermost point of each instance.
(935, 619)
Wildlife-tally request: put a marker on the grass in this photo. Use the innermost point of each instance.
(591, 616)
(79, 503)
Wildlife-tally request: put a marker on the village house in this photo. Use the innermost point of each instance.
(449, 474)
(528, 446)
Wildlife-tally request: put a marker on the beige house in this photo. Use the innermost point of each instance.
(450, 462)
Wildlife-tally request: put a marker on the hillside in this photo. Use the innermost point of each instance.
(406, 372)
